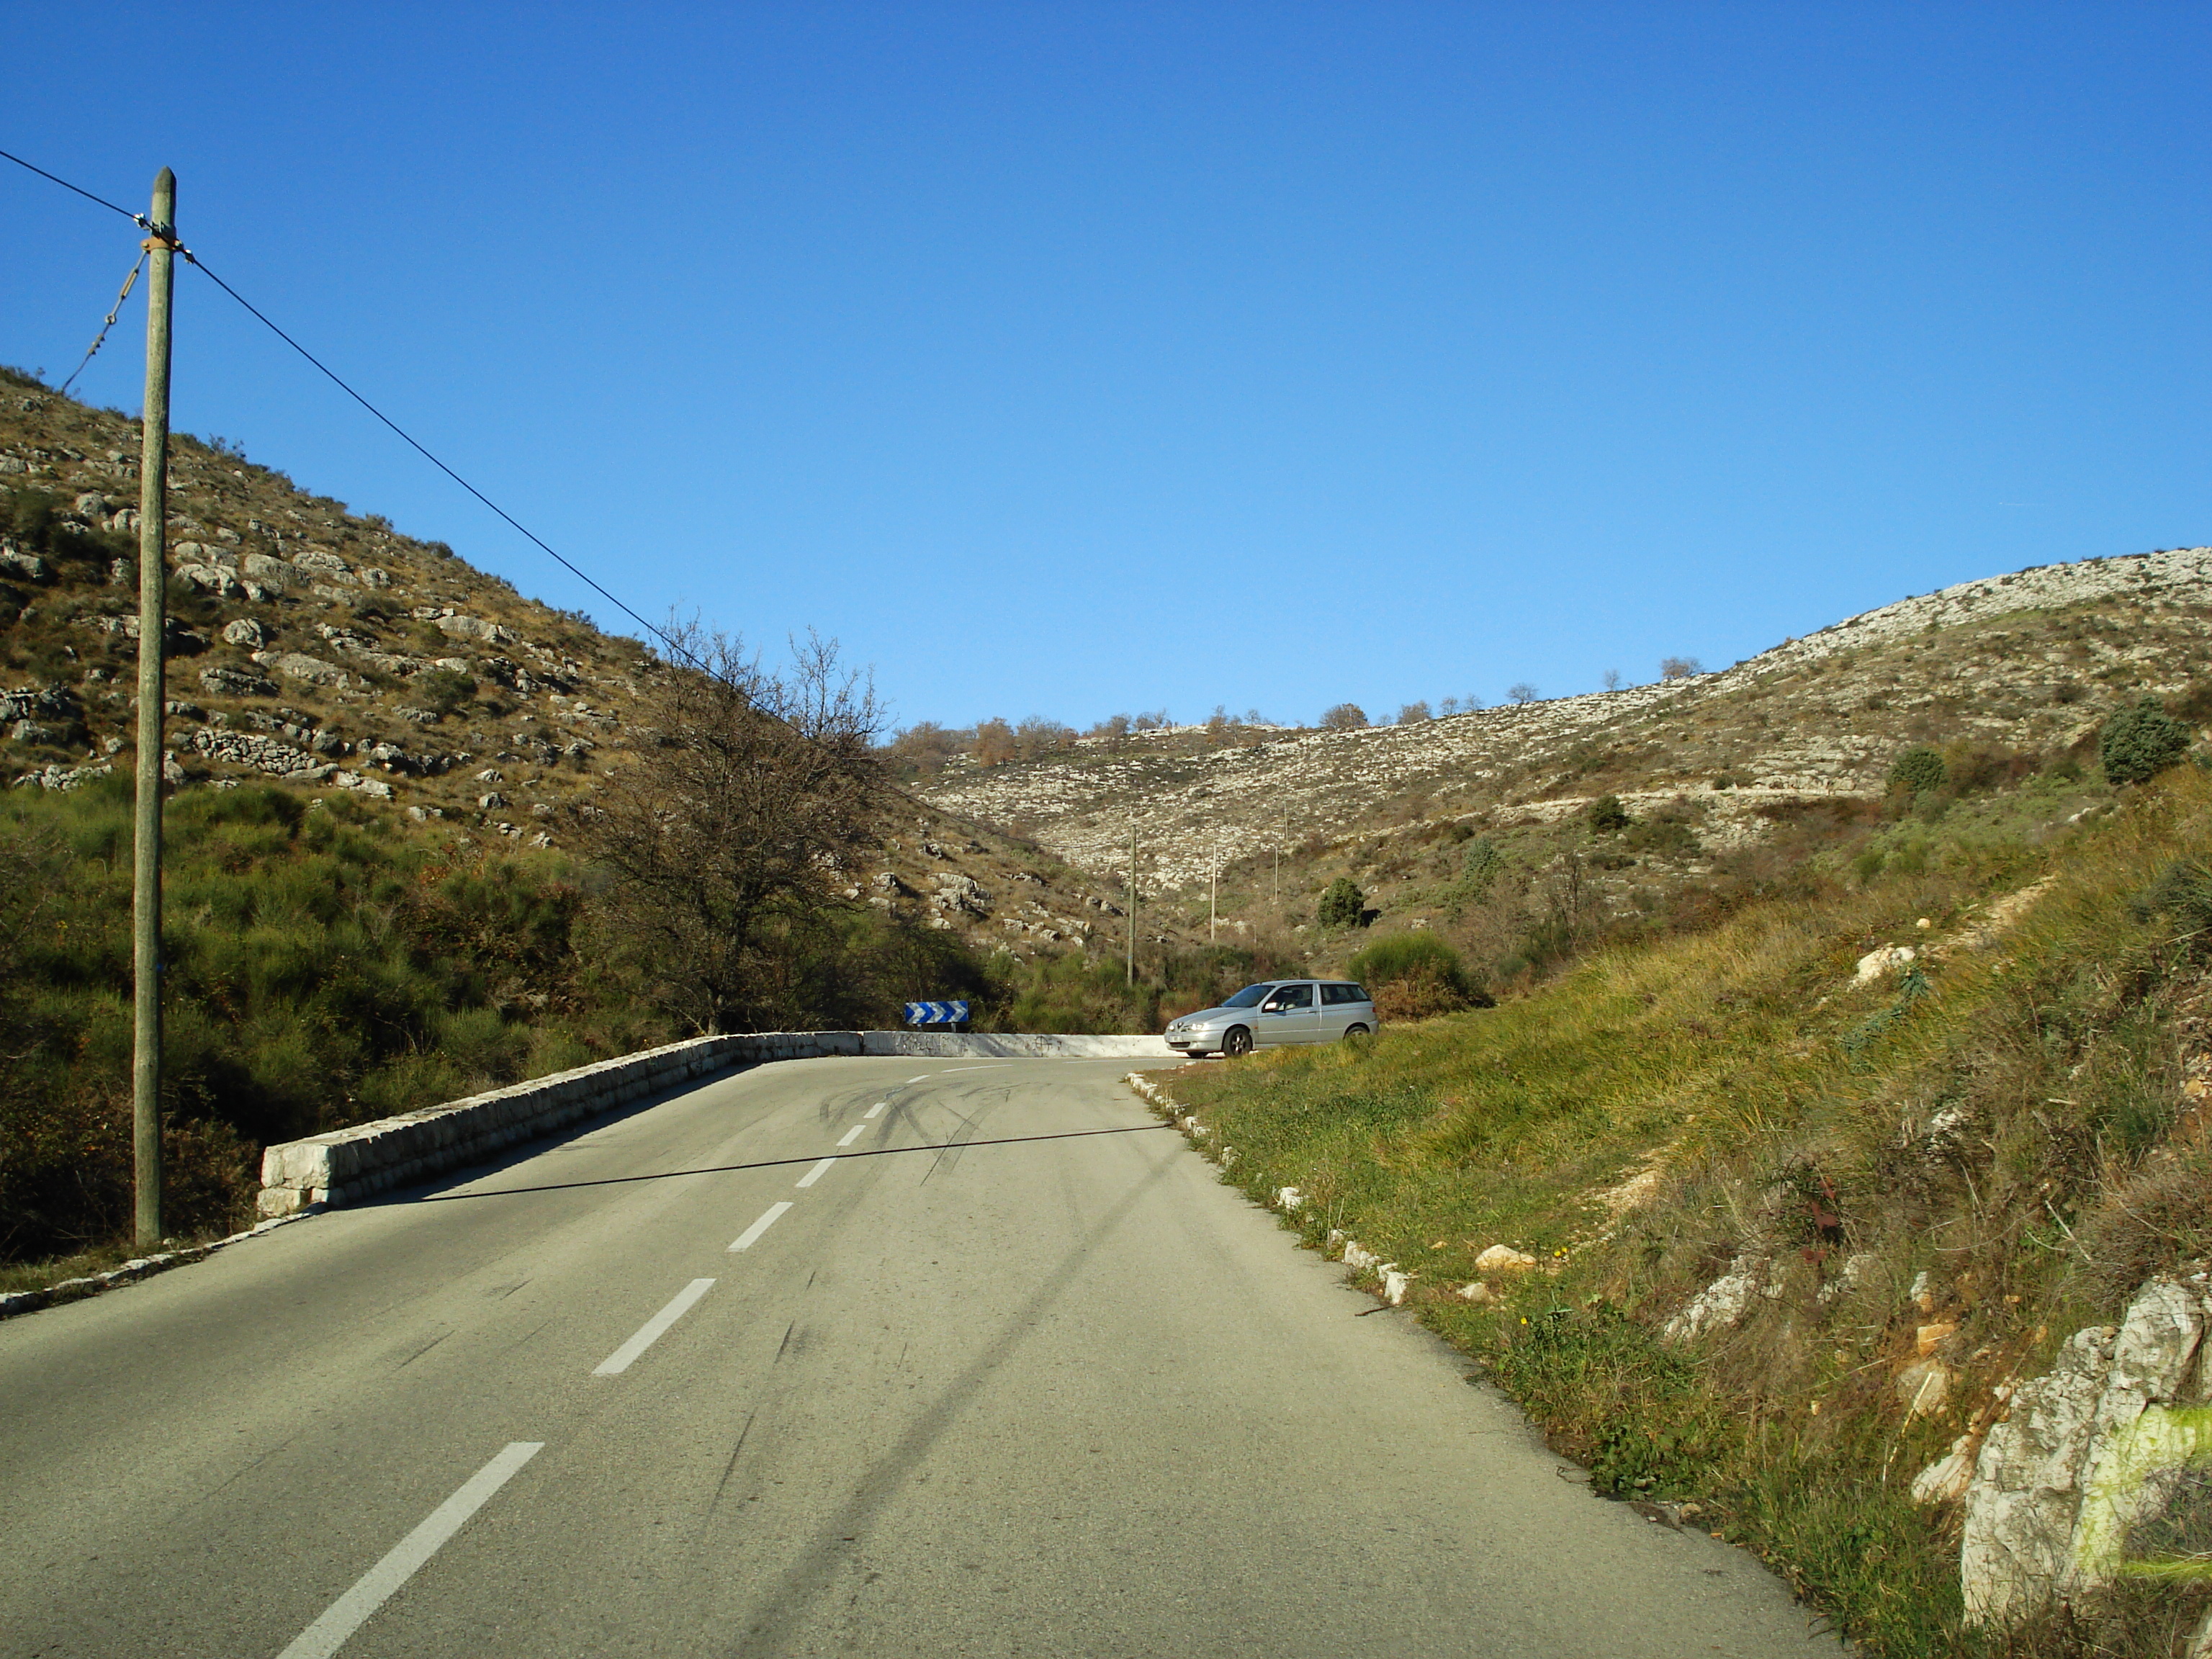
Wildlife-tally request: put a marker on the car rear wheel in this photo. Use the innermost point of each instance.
(1351, 1031)
(1238, 1042)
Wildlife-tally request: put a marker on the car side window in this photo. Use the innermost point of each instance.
(1295, 996)
(1336, 994)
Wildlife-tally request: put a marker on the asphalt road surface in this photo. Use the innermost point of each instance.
(1060, 1396)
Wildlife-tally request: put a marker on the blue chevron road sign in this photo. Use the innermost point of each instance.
(937, 1013)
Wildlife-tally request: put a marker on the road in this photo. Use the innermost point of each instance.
(1059, 1396)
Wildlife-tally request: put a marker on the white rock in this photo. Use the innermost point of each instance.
(1358, 1257)
(210, 578)
(269, 573)
(1477, 1293)
(1875, 963)
(296, 666)
(1944, 1480)
(1502, 1258)
(2084, 1452)
(1288, 1200)
(1394, 1284)
(1924, 1386)
(246, 632)
(1721, 1303)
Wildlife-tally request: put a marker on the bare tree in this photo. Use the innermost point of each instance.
(1344, 717)
(1679, 668)
(731, 824)
(1613, 679)
(1522, 693)
(1413, 713)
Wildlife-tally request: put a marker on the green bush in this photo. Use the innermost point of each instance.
(2140, 742)
(1607, 816)
(1919, 769)
(1479, 865)
(1666, 836)
(1415, 975)
(1399, 956)
(442, 690)
(1342, 905)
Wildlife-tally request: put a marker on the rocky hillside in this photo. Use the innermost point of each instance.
(318, 647)
(2027, 664)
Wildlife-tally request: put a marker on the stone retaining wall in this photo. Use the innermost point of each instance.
(952, 1045)
(347, 1165)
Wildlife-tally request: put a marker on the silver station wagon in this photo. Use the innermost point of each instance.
(1274, 1011)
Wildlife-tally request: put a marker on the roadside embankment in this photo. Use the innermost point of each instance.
(1866, 1228)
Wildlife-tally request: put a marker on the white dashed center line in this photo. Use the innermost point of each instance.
(350, 1611)
(853, 1134)
(924, 1078)
(751, 1237)
(653, 1329)
(816, 1172)
(876, 1108)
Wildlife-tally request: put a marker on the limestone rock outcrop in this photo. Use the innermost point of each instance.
(2073, 1480)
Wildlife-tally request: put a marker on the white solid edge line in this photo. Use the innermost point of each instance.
(350, 1611)
(653, 1329)
(751, 1237)
(853, 1134)
(877, 1108)
(816, 1172)
(924, 1078)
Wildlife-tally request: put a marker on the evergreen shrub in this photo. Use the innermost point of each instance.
(2140, 742)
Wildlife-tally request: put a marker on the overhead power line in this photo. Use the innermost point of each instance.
(135, 218)
(168, 234)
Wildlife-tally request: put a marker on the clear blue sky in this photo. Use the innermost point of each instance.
(1070, 359)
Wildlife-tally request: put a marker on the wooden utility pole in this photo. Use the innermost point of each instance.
(153, 621)
(1132, 898)
(1213, 894)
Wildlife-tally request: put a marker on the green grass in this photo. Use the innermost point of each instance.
(319, 969)
(1781, 1110)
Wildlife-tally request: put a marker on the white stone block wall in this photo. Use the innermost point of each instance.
(349, 1164)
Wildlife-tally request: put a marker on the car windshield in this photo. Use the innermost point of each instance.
(1250, 996)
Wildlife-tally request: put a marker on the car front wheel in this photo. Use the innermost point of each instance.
(1238, 1042)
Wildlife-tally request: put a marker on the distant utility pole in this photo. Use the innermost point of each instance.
(1132, 898)
(1213, 894)
(153, 620)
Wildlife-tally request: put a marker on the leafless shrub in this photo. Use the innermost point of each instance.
(1522, 692)
(1679, 668)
